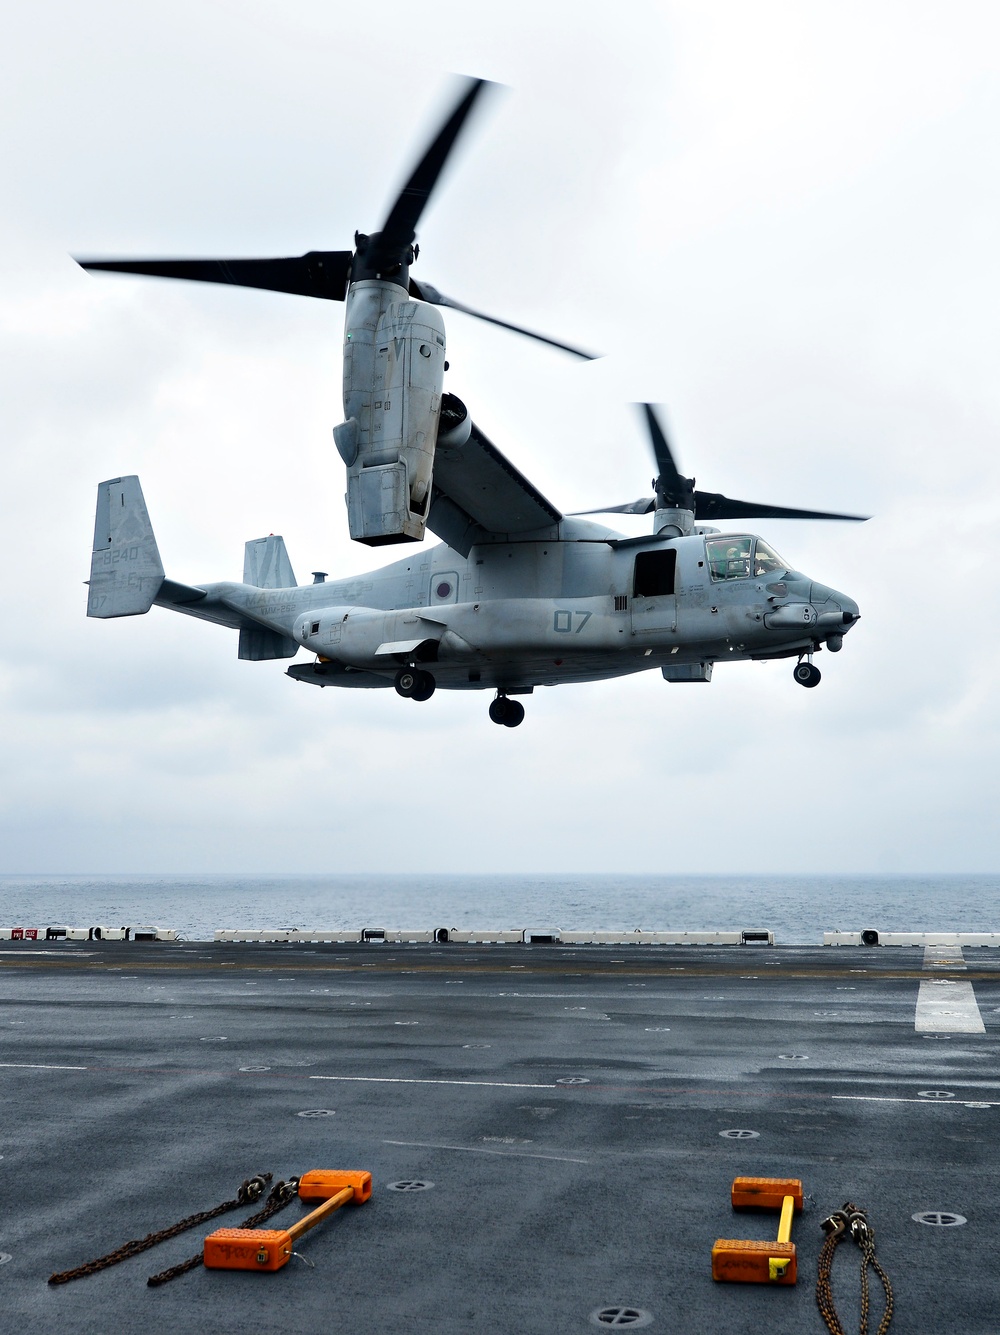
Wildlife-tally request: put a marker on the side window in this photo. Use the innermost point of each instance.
(654, 573)
(766, 560)
(729, 558)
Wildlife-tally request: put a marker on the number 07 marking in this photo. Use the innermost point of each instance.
(562, 621)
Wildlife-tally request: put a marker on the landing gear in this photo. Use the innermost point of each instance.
(414, 684)
(807, 675)
(507, 712)
(426, 688)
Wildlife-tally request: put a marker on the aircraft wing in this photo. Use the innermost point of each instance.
(479, 494)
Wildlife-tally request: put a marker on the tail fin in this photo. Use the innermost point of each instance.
(125, 570)
(266, 566)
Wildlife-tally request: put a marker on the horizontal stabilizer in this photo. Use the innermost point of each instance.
(125, 571)
(173, 594)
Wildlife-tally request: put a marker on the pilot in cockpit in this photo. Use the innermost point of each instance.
(766, 561)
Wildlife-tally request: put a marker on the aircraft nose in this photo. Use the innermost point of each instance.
(833, 607)
(836, 614)
(849, 610)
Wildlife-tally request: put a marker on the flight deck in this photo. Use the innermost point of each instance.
(552, 1130)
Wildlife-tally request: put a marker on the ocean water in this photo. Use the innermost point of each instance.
(798, 909)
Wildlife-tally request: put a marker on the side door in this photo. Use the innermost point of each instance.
(654, 600)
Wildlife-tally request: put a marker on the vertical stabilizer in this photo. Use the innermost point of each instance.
(266, 566)
(125, 570)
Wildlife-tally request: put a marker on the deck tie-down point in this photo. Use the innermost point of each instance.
(271, 1248)
(749, 1261)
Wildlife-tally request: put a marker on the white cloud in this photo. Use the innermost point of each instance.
(779, 221)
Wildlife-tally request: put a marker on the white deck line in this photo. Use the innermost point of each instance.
(39, 1066)
(937, 1103)
(410, 1080)
(476, 1149)
(945, 1006)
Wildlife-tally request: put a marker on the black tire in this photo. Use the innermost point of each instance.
(498, 709)
(407, 682)
(426, 687)
(807, 675)
(515, 714)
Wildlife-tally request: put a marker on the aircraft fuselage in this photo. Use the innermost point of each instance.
(580, 605)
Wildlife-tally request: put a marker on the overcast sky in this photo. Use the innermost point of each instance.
(780, 220)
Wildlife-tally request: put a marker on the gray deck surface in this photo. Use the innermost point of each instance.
(567, 1107)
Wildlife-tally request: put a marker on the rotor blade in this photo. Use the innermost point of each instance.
(425, 292)
(713, 505)
(669, 475)
(400, 227)
(644, 506)
(320, 273)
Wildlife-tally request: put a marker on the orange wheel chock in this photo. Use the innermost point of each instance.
(752, 1262)
(271, 1248)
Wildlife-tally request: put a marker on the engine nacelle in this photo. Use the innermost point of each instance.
(394, 351)
(454, 424)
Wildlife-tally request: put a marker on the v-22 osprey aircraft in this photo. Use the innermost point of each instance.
(518, 594)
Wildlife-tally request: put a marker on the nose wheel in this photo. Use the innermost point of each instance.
(807, 675)
(414, 684)
(508, 713)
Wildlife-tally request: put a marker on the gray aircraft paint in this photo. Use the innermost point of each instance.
(125, 571)
(531, 597)
(394, 351)
(540, 611)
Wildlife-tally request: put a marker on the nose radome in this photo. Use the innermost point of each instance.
(827, 600)
(819, 594)
(848, 607)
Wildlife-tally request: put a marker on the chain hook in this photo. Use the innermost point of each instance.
(253, 1188)
(835, 1223)
(285, 1191)
(850, 1222)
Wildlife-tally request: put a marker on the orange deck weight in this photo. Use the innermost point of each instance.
(319, 1184)
(753, 1262)
(765, 1193)
(271, 1248)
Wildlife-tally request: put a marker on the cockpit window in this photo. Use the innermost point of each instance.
(766, 560)
(729, 558)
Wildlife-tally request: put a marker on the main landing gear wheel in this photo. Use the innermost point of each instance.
(414, 684)
(509, 713)
(426, 687)
(807, 675)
